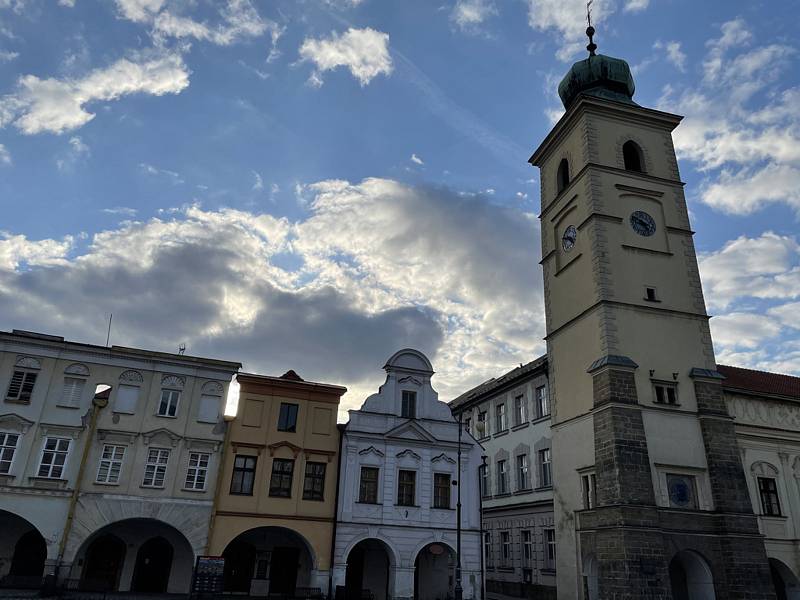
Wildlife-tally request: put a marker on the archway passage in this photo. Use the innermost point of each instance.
(23, 552)
(268, 560)
(690, 577)
(787, 586)
(153, 566)
(103, 564)
(434, 572)
(368, 571)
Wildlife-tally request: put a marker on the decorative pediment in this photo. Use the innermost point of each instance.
(371, 450)
(272, 447)
(409, 454)
(410, 430)
(202, 444)
(764, 469)
(161, 435)
(212, 388)
(77, 369)
(120, 437)
(326, 454)
(443, 458)
(173, 382)
(11, 422)
(411, 379)
(131, 376)
(47, 429)
(28, 362)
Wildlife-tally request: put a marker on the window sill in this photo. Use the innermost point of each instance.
(667, 404)
(167, 416)
(6, 478)
(313, 499)
(107, 483)
(17, 401)
(116, 411)
(543, 488)
(48, 482)
(407, 505)
(193, 490)
(548, 571)
(71, 406)
(246, 494)
(501, 433)
(369, 503)
(281, 496)
(774, 517)
(287, 430)
(506, 569)
(503, 495)
(526, 490)
(656, 300)
(520, 426)
(442, 508)
(541, 419)
(151, 487)
(485, 438)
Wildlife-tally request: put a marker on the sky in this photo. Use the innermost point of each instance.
(315, 184)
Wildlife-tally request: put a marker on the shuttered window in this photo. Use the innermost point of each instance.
(209, 409)
(20, 388)
(72, 392)
(127, 397)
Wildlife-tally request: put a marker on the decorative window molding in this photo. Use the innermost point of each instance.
(295, 449)
(28, 362)
(410, 379)
(212, 388)
(77, 369)
(10, 422)
(48, 430)
(164, 434)
(173, 382)
(443, 457)
(131, 377)
(371, 450)
(764, 469)
(408, 453)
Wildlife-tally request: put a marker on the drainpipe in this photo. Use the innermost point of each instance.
(99, 402)
(480, 505)
(218, 486)
(331, 591)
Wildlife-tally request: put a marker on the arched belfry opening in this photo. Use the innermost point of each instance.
(632, 157)
(562, 176)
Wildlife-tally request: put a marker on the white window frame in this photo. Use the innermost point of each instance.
(8, 451)
(167, 414)
(487, 549)
(55, 452)
(71, 397)
(195, 468)
(485, 421)
(505, 548)
(542, 402)
(545, 468)
(154, 467)
(501, 422)
(18, 396)
(526, 537)
(115, 458)
(520, 409)
(589, 490)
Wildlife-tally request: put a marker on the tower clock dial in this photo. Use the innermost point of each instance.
(569, 237)
(642, 223)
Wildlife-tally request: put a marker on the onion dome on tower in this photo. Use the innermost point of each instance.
(597, 75)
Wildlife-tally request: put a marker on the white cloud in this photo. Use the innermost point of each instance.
(174, 176)
(140, 11)
(636, 5)
(258, 184)
(78, 150)
(416, 159)
(568, 18)
(470, 14)
(675, 55)
(739, 330)
(240, 20)
(747, 190)
(125, 211)
(67, 3)
(7, 56)
(5, 156)
(60, 105)
(365, 52)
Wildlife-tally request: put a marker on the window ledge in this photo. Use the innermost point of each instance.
(107, 483)
(543, 488)
(17, 401)
(407, 505)
(501, 433)
(520, 426)
(548, 571)
(503, 495)
(541, 419)
(506, 569)
(193, 490)
(6, 478)
(523, 491)
(151, 487)
(774, 517)
(656, 300)
(245, 494)
(48, 482)
(484, 438)
(72, 406)
(313, 499)
(117, 411)
(667, 404)
(369, 503)
(442, 508)
(167, 416)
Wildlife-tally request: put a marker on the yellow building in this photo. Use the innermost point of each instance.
(276, 501)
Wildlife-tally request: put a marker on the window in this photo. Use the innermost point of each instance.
(468, 425)
(500, 413)
(502, 477)
(168, 406)
(314, 483)
(505, 547)
(527, 575)
(768, 491)
(441, 490)
(650, 294)
(483, 425)
(527, 547)
(487, 549)
(368, 487)
(519, 410)
(110, 464)
(197, 471)
(682, 491)
(8, 446)
(562, 176)
(545, 473)
(155, 469)
(550, 548)
(589, 490)
(405, 488)
(408, 409)
(287, 419)
(127, 397)
(542, 402)
(666, 393)
(208, 411)
(280, 484)
(244, 474)
(523, 482)
(20, 388)
(632, 156)
(72, 392)
(484, 480)
(53, 457)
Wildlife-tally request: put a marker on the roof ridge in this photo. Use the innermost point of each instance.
(759, 371)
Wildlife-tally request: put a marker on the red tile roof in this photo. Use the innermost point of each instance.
(760, 381)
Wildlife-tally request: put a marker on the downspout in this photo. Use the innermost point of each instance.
(228, 420)
(480, 508)
(335, 510)
(99, 402)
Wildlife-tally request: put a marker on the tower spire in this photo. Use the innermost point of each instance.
(591, 47)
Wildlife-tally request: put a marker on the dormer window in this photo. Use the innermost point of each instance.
(408, 406)
(632, 156)
(562, 176)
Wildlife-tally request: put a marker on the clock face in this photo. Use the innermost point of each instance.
(569, 237)
(681, 491)
(642, 223)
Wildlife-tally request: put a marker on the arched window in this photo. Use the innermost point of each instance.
(562, 177)
(632, 156)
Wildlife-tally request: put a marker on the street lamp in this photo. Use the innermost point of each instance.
(459, 591)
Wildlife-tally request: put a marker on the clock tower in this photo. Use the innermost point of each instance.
(650, 495)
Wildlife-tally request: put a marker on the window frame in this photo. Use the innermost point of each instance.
(483, 418)
(75, 396)
(283, 477)
(633, 151)
(408, 404)
(487, 549)
(767, 509)
(55, 453)
(364, 484)
(506, 554)
(520, 410)
(24, 382)
(545, 468)
(502, 477)
(243, 479)
(442, 500)
(7, 451)
(317, 490)
(549, 535)
(109, 462)
(168, 405)
(562, 176)
(666, 387)
(542, 402)
(500, 417)
(194, 472)
(158, 467)
(402, 488)
(486, 486)
(589, 490)
(287, 421)
(523, 472)
(526, 543)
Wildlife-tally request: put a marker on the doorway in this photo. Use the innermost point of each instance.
(153, 566)
(104, 560)
(283, 570)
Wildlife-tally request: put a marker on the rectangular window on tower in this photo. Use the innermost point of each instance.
(665, 392)
(408, 408)
(589, 490)
(768, 491)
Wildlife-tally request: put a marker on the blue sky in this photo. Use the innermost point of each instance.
(313, 184)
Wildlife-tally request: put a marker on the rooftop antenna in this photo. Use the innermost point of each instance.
(181, 348)
(108, 334)
(591, 47)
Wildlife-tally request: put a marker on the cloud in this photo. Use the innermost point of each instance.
(377, 265)
(140, 11)
(468, 15)
(173, 176)
(78, 150)
(741, 330)
(125, 211)
(568, 19)
(60, 105)
(258, 184)
(7, 56)
(675, 55)
(240, 20)
(365, 52)
(636, 5)
(5, 156)
(416, 159)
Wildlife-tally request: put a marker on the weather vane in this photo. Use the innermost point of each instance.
(589, 12)
(591, 47)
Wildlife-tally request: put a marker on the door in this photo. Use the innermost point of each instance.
(27, 563)
(283, 571)
(153, 566)
(103, 565)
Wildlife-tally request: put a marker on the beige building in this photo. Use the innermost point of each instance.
(109, 495)
(275, 512)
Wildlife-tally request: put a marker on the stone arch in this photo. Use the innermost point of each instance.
(762, 468)
(410, 359)
(691, 577)
(212, 388)
(392, 551)
(368, 570)
(412, 557)
(131, 377)
(787, 585)
(434, 572)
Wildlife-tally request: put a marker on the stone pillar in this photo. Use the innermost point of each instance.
(403, 578)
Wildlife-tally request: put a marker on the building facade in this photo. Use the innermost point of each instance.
(113, 492)
(275, 511)
(396, 519)
(510, 417)
(639, 414)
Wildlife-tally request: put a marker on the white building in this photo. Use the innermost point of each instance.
(118, 500)
(396, 516)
